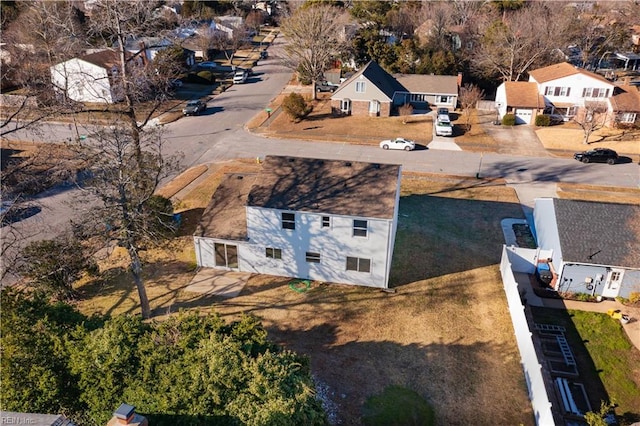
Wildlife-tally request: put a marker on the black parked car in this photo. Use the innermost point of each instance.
(194, 107)
(325, 86)
(598, 155)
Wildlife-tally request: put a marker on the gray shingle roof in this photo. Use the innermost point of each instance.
(599, 233)
(429, 84)
(348, 188)
(378, 76)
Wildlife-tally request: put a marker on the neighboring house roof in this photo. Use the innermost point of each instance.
(626, 100)
(599, 233)
(107, 58)
(561, 70)
(327, 186)
(523, 94)
(378, 76)
(422, 83)
(226, 215)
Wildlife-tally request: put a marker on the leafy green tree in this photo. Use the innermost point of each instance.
(35, 373)
(54, 265)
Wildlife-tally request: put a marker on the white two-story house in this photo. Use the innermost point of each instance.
(90, 78)
(324, 220)
(561, 89)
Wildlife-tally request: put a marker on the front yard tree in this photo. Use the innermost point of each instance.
(469, 97)
(509, 48)
(313, 35)
(124, 173)
(594, 116)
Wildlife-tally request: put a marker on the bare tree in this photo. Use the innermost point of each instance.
(509, 48)
(313, 35)
(124, 174)
(229, 43)
(593, 116)
(469, 97)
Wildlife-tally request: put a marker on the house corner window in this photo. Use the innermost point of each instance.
(326, 221)
(359, 228)
(288, 221)
(312, 257)
(273, 253)
(360, 86)
(359, 265)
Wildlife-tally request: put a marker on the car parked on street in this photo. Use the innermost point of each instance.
(240, 76)
(325, 86)
(194, 107)
(597, 155)
(398, 143)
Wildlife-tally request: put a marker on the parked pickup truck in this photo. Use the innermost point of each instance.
(443, 128)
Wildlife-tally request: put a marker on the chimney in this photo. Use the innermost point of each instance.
(459, 79)
(126, 415)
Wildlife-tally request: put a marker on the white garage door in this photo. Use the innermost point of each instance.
(523, 116)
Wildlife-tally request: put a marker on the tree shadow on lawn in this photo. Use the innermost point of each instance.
(438, 236)
(453, 377)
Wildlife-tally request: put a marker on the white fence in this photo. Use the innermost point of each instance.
(529, 360)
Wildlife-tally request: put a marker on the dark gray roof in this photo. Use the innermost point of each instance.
(378, 76)
(225, 217)
(599, 233)
(429, 84)
(347, 188)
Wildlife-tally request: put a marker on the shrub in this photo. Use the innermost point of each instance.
(543, 120)
(296, 107)
(406, 109)
(509, 120)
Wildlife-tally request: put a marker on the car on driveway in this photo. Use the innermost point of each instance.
(398, 143)
(598, 155)
(443, 128)
(443, 115)
(325, 86)
(194, 107)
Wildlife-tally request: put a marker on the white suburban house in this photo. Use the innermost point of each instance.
(90, 78)
(564, 90)
(594, 247)
(324, 220)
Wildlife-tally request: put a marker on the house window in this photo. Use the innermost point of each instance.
(288, 221)
(615, 276)
(360, 86)
(359, 228)
(312, 257)
(358, 264)
(586, 92)
(444, 99)
(274, 253)
(548, 91)
(418, 97)
(326, 222)
(627, 117)
(345, 106)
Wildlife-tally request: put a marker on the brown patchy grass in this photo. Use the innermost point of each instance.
(322, 125)
(445, 332)
(569, 137)
(476, 139)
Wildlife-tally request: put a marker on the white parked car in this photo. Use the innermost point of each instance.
(240, 77)
(443, 128)
(398, 143)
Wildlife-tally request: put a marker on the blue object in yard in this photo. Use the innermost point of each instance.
(177, 218)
